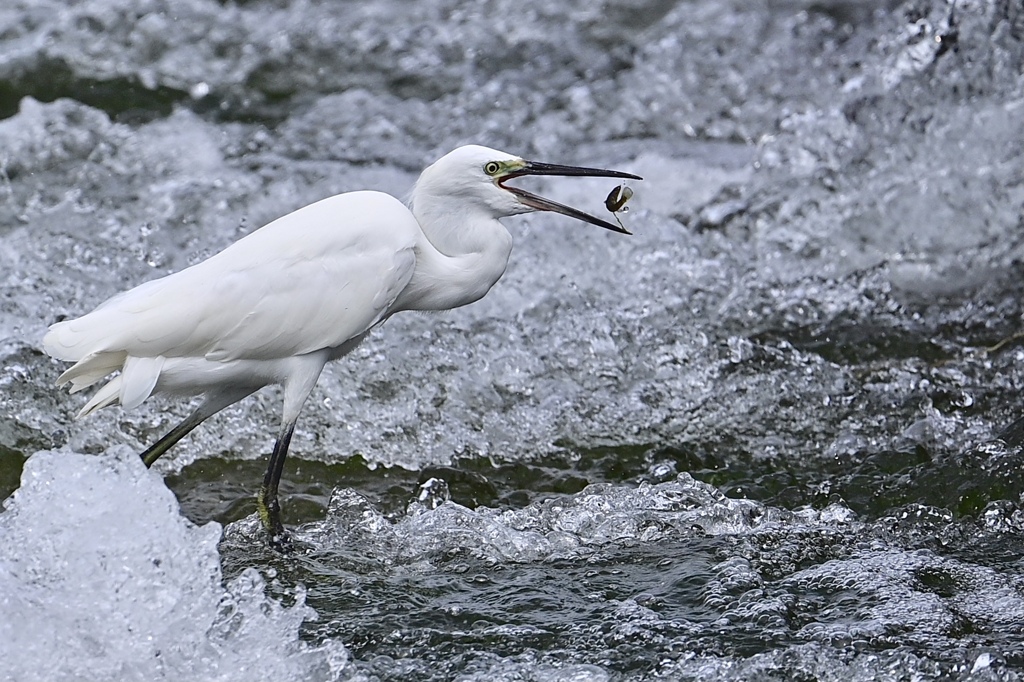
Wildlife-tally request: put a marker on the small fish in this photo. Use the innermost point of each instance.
(616, 201)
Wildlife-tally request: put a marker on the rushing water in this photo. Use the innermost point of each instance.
(772, 435)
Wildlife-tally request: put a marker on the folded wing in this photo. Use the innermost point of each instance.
(311, 280)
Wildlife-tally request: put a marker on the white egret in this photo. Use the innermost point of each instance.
(280, 303)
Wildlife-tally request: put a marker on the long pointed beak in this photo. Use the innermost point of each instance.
(541, 204)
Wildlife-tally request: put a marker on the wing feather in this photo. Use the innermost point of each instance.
(313, 279)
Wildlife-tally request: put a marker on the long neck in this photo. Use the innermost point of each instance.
(459, 258)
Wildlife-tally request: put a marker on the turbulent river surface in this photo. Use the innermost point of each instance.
(772, 435)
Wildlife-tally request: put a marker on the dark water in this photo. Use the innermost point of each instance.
(772, 435)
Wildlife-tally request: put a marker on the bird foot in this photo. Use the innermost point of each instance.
(269, 511)
(281, 542)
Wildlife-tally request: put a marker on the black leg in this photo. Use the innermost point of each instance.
(304, 371)
(267, 505)
(157, 449)
(211, 405)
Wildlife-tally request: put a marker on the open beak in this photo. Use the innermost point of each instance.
(541, 204)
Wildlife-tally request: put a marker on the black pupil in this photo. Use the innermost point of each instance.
(492, 168)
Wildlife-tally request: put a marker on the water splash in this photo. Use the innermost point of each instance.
(103, 579)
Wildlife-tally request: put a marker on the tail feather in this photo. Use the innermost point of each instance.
(90, 369)
(138, 379)
(89, 341)
(107, 395)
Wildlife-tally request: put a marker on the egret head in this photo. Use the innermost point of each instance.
(480, 175)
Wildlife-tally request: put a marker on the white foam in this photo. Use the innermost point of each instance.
(101, 578)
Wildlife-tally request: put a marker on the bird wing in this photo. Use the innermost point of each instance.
(310, 280)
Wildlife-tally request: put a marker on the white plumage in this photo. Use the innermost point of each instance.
(311, 280)
(276, 306)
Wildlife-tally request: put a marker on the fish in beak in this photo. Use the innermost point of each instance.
(539, 203)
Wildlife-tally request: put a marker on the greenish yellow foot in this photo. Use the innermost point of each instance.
(269, 510)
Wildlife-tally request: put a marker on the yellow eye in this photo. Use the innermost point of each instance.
(492, 167)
